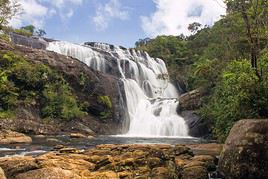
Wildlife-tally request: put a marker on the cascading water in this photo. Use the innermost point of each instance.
(151, 99)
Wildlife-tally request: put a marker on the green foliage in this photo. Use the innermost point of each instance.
(24, 83)
(239, 94)
(59, 102)
(4, 37)
(173, 50)
(8, 9)
(23, 32)
(29, 28)
(210, 59)
(107, 103)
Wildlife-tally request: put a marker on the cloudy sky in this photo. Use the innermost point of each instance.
(120, 22)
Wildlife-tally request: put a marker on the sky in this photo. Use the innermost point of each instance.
(119, 22)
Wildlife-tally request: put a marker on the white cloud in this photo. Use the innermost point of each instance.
(32, 13)
(62, 3)
(107, 12)
(172, 17)
(35, 12)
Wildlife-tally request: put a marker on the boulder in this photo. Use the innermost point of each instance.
(10, 137)
(2, 174)
(195, 172)
(197, 127)
(51, 173)
(245, 153)
(212, 149)
(191, 100)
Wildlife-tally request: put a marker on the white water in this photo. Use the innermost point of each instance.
(151, 99)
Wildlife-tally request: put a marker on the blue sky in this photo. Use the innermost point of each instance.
(119, 22)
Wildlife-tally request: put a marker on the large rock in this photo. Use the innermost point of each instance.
(191, 100)
(112, 161)
(197, 127)
(51, 173)
(2, 174)
(10, 137)
(245, 153)
(73, 70)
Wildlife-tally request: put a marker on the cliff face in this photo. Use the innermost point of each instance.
(95, 84)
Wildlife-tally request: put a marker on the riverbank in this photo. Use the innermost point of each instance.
(113, 161)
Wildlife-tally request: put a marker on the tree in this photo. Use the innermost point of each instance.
(8, 9)
(255, 16)
(29, 28)
(194, 27)
(40, 33)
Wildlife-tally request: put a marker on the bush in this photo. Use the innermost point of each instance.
(24, 83)
(239, 94)
(107, 103)
(59, 102)
(23, 32)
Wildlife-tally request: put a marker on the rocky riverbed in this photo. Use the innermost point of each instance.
(112, 161)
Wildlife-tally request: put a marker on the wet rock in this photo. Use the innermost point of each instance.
(2, 174)
(11, 137)
(197, 127)
(77, 135)
(245, 153)
(69, 150)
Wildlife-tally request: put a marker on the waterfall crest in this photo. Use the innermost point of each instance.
(151, 100)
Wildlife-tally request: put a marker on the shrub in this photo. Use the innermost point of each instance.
(23, 32)
(22, 82)
(107, 103)
(59, 102)
(239, 94)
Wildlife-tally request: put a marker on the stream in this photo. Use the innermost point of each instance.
(43, 144)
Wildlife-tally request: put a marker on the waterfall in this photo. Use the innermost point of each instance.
(151, 100)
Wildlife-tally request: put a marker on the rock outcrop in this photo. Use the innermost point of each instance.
(191, 100)
(10, 137)
(245, 153)
(188, 104)
(97, 84)
(197, 126)
(113, 161)
(2, 174)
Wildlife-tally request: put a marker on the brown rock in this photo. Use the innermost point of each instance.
(191, 100)
(180, 163)
(15, 165)
(209, 161)
(160, 173)
(206, 149)
(195, 172)
(69, 150)
(2, 174)
(245, 153)
(51, 173)
(10, 137)
(104, 175)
